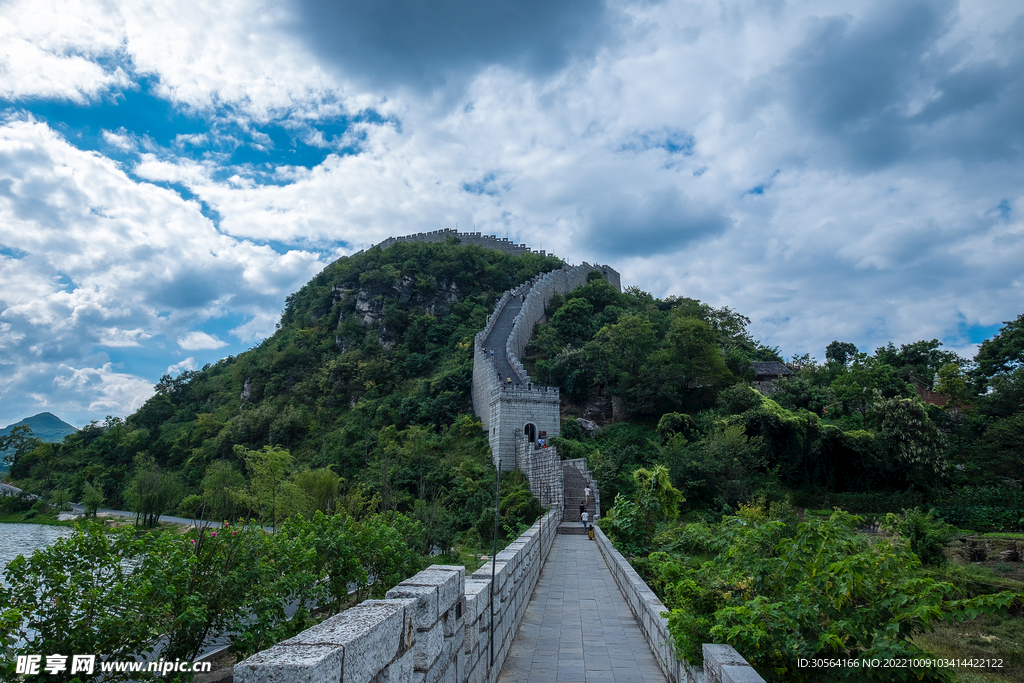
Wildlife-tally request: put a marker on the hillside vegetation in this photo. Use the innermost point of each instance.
(358, 407)
(360, 400)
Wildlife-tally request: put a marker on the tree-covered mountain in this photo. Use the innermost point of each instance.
(361, 400)
(365, 387)
(44, 426)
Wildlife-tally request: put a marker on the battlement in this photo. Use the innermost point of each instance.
(502, 244)
(508, 410)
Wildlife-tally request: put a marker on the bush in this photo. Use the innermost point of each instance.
(925, 532)
(14, 504)
(984, 508)
(824, 593)
(739, 398)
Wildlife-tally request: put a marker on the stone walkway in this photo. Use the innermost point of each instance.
(500, 333)
(577, 626)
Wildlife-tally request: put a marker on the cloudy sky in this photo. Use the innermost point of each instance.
(170, 171)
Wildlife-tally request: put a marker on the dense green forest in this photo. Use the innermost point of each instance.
(723, 496)
(360, 400)
(850, 431)
(365, 392)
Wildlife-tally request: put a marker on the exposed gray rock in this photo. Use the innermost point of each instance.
(590, 428)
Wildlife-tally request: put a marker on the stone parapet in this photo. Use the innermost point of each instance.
(542, 288)
(543, 470)
(434, 626)
(506, 411)
(501, 244)
(722, 664)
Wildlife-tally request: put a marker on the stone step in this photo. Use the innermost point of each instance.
(572, 528)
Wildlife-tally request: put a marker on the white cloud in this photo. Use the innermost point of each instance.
(121, 140)
(110, 263)
(115, 337)
(105, 390)
(187, 364)
(50, 49)
(196, 341)
(846, 171)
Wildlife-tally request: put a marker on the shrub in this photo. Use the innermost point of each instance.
(925, 532)
(824, 593)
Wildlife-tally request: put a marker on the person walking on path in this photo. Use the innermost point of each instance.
(586, 518)
(586, 493)
(583, 506)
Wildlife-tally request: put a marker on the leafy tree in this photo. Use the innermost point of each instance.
(633, 520)
(690, 365)
(221, 488)
(910, 440)
(840, 352)
(574, 321)
(88, 593)
(921, 358)
(822, 593)
(953, 383)
(719, 470)
(1001, 445)
(92, 497)
(572, 370)
(671, 424)
(17, 443)
(620, 351)
(320, 487)
(152, 491)
(926, 534)
(739, 398)
(268, 468)
(1001, 354)
(1006, 397)
(856, 388)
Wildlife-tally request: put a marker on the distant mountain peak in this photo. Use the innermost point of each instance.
(45, 426)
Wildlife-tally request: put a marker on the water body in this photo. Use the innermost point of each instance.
(23, 539)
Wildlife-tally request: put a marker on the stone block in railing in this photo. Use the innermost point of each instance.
(424, 606)
(445, 580)
(723, 664)
(354, 646)
(428, 646)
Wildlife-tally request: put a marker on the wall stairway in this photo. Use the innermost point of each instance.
(575, 478)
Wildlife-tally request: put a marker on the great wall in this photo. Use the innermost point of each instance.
(442, 625)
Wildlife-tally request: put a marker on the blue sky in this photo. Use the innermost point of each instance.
(171, 171)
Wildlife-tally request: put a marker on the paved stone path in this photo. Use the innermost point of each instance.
(500, 333)
(577, 626)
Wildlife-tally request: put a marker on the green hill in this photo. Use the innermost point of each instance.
(366, 384)
(45, 427)
(362, 398)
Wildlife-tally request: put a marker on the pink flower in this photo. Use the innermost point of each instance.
(233, 533)
(225, 525)
(192, 541)
(213, 534)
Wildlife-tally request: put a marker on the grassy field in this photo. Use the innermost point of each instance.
(998, 638)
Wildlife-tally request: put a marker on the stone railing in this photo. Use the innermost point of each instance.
(434, 626)
(543, 470)
(542, 288)
(722, 664)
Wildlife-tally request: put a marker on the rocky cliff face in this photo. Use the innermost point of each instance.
(367, 304)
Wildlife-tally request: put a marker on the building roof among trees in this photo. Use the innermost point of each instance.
(771, 367)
